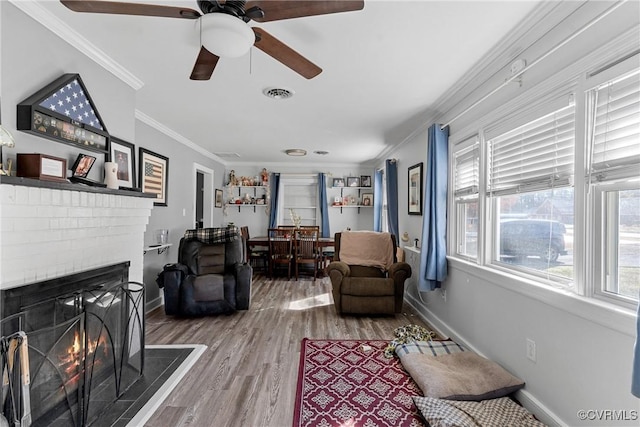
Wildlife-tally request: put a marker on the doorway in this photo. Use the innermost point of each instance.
(203, 196)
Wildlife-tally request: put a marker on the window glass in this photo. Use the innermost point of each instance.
(534, 232)
(467, 230)
(622, 246)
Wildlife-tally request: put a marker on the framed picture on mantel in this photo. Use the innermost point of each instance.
(154, 175)
(415, 189)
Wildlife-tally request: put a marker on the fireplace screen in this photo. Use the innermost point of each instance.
(85, 350)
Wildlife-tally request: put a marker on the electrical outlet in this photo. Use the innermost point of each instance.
(531, 350)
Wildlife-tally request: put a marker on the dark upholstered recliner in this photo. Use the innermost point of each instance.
(211, 276)
(364, 289)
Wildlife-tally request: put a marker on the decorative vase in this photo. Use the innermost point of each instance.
(111, 175)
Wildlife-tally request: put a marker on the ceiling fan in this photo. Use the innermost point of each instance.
(224, 26)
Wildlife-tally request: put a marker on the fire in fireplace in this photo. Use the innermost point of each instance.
(86, 342)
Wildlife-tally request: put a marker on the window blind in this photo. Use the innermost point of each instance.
(616, 129)
(535, 156)
(467, 170)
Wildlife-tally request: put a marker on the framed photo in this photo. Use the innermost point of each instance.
(82, 166)
(365, 180)
(123, 154)
(415, 189)
(367, 199)
(154, 175)
(338, 182)
(218, 198)
(353, 181)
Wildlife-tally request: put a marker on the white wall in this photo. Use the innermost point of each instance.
(584, 349)
(179, 214)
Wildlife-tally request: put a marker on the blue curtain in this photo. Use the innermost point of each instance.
(433, 261)
(325, 231)
(377, 200)
(274, 182)
(635, 377)
(392, 196)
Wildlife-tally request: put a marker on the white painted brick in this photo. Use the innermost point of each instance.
(45, 196)
(34, 195)
(88, 222)
(100, 200)
(66, 198)
(80, 212)
(83, 199)
(75, 198)
(56, 197)
(68, 222)
(7, 194)
(91, 200)
(22, 195)
(6, 224)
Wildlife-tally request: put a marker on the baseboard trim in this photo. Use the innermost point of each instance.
(533, 405)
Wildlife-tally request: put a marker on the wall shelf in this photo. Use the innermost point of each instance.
(159, 248)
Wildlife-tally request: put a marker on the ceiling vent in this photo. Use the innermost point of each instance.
(227, 155)
(278, 93)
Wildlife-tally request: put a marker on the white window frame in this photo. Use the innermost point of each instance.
(304, 180)
(602, 241)
(587, 225)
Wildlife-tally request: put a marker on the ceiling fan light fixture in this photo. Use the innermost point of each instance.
(298, 152)
(226, 36)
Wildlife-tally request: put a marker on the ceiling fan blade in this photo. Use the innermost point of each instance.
(286, 9)
(121, 8)
(204, 66)
(283, 53)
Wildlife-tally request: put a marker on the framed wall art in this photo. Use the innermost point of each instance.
(367, 199)
(365, 180)
(415, 189)
(123, 154)
(154, 175)
(218, 198)
(338, 182)
(353, 181)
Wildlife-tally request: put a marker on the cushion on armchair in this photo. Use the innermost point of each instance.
(367, 248)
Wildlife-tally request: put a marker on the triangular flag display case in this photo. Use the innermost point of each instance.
(64, 112)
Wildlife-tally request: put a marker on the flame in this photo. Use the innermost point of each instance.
(75, 357)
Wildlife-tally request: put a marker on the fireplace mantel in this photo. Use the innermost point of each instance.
(52, 229)
(29, 182)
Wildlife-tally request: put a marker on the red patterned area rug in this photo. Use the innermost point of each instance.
(341, 383)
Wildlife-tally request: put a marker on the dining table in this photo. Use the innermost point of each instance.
(263, 242)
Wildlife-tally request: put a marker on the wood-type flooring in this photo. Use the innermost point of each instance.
(247, 376)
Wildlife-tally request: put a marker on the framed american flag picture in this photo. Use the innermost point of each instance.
(154, 175)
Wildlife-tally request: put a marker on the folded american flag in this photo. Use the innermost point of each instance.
(214, 235)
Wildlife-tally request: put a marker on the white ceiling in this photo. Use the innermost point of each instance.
(383, 67)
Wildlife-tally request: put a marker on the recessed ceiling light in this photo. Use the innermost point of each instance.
(278, 93)
(321, 152)
(295, 152)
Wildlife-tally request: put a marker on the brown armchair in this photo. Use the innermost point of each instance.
(364, 287)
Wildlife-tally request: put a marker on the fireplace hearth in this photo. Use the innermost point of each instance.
(85, 342)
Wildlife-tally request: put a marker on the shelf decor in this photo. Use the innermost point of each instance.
(154, 175)
(64, 112)
(415, 189)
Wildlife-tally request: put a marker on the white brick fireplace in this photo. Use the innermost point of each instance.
(52, 230)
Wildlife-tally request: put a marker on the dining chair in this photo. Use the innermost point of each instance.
(256, 256)
(280, 249)
(306, 249)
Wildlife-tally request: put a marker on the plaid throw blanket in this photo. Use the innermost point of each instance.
(213, 235)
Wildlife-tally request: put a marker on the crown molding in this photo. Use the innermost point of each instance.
(144, 118)
(60, 28)
(501, 55)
